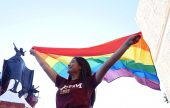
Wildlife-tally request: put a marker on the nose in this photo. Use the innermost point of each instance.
(68, 65)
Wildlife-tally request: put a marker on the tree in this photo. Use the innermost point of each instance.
(166, 99)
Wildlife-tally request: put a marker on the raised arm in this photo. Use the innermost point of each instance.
(50, 72)
(115, 57)
(15, 48)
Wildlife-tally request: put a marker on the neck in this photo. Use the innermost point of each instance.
(75, 77)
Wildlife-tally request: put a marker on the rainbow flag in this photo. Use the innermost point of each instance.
(136, 61)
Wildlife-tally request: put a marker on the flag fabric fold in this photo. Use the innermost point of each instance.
(136, 61)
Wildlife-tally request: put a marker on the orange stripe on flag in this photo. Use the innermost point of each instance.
(142, 44)
(42, 55)
(53, 56)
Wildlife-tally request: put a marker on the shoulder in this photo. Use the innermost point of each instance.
(59, 80)
(92, 81)
(92, 76)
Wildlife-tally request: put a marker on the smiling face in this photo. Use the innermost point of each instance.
(74, 68)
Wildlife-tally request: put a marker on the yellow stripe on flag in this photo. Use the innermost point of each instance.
(138, 55)
(51, 61)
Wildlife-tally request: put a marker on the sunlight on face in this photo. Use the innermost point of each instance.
(73, 67)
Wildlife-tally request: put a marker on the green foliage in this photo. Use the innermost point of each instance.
(166, 99)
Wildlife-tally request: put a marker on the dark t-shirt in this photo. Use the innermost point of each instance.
(73, 94)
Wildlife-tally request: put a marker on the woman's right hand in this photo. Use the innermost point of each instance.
(32, 51)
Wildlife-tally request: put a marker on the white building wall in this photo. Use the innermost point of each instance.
(152, 17)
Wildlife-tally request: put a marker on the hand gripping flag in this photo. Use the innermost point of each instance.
(136, 61)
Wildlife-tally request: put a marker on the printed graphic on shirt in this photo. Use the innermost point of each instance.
(66, 89)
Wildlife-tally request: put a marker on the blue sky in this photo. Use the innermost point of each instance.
(74, 23)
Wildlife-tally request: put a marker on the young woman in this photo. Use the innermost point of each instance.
(78, 91)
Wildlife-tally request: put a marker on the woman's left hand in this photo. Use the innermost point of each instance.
(133, 39)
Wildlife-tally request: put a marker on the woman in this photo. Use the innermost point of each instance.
(78, 91)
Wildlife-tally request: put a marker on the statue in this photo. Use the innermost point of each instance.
(18, 76)
(19, 52)
(33, 91)
(16, 65)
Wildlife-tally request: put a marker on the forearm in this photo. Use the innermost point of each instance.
(115, 57)
(110, 62)
(41, 62)
(50, 72)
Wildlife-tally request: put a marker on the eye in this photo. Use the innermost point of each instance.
(73, 61)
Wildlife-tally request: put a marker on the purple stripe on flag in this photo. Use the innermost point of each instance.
(114, 74)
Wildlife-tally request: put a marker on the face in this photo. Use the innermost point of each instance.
(73, 67)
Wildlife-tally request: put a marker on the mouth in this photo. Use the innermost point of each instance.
(69, 67)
